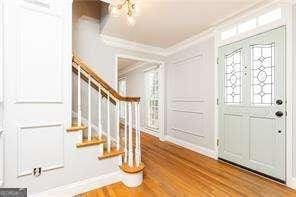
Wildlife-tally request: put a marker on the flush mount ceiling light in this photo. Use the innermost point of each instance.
(127, 6)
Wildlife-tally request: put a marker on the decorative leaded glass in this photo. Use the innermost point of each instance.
(233, 76)
(262, 74)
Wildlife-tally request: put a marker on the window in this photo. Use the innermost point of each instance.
(261, 20)
(246, 26)
(262, 74)
(270, 17)
(152, 97)
(228, 33)
(233, 77)
(122, 91)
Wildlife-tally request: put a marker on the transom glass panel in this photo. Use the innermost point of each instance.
(262, 74)
(233, 77)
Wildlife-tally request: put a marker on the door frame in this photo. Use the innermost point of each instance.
(287, 20)
(162, 107)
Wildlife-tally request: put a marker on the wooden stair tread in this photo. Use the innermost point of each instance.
(75, 127)
(113, 153)
(94, 141)
(134, 169)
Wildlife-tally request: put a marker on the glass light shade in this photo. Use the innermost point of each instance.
(114, 11)
(131, 21)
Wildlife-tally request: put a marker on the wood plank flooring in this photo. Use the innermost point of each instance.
(175, 171)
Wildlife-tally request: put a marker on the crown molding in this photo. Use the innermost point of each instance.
(200, 37)
(129, 45)
(134, 46)
(132, 68)
(204, 35)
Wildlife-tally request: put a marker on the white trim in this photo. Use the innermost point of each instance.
(161, 87)
(202, 150)
(190, 42)
(20, 128)
(131, 68)
(2, 157)
(129, 45)
(290, 180)
(1, 50)
(82, 186)
(203, 35)
(150, 132)
(150, 68)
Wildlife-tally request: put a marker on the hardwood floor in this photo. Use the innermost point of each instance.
(175, 171)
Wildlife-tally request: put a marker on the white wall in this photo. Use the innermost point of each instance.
(102, 58)
(135, 86)
(37, 100)
(294, 91)
(190, 96)
(1, 95)
(89, 46)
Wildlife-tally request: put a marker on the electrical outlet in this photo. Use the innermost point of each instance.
(37, 171)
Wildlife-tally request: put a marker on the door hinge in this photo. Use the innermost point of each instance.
(217, 142)
(217, 101)
(217, 60)
(286, 113)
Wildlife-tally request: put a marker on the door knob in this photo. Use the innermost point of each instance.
(279, 102)
(279, 113)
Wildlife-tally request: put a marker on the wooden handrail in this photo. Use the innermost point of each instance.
(100, 81)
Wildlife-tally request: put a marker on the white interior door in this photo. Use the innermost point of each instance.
(252, 110)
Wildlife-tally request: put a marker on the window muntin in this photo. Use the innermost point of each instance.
(262, 70)
(152, 98)
(233, 78)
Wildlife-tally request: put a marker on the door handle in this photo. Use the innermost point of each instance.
(279, 113)
(279, 102)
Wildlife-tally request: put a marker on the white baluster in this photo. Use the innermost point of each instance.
(79, 96)
(117, 125)
(79, 112)
(108, 125)
(89, 109)
(100, 114)
(130, 136)
(125, 132)
(139, 133)
(137, 138)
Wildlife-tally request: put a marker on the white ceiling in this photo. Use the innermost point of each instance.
(163, 23)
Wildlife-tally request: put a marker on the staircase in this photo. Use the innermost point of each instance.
(122, 144)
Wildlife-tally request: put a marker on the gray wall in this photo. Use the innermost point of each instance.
(190, 95)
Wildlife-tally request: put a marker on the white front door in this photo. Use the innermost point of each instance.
(252, 108)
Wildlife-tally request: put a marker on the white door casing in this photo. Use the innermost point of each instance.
(252, 79)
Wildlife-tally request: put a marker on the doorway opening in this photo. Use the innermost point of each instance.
(142, 77)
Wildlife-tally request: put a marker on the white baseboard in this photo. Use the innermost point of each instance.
(291, 183)
(150, 132)
(82, 186)
(202, 150)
